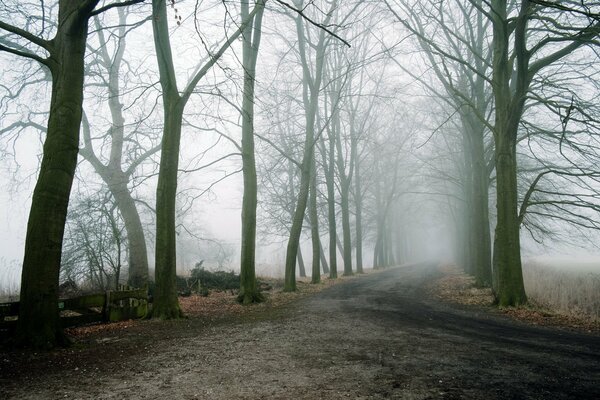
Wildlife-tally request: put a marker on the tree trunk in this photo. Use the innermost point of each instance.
(345, 203)
(323, 258)
(249, 292)
(314, 226)
(509, 103)
(330, 181)
(301, 267)
(345, 200)
(138, 252)
(358, 204)
(510, 289)
(38, 324)
(480, 208)
(296, 229)
(166, 304)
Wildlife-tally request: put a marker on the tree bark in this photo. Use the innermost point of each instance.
(301, 267)
(323, 258)
(358, 205)
(330, 181)
(509, 290)
(138, 252)
(166, 303)
(249, 292)
(314, 226)
(38, 324)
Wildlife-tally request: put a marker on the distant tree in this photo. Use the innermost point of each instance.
(127, 152)
(95, 243)
(311, 82)
(454, 44)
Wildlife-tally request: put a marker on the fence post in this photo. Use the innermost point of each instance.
(106, 310)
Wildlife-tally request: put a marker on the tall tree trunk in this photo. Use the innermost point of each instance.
(510, 289)
(358, 205)
(468, 238)
(345, 181)
(38, 324)
(345, 200)
(481, 224)
(509, 103)
(166, 304)
(391, 259)
(249, 292)
(330, 181)
(296, 229)
(314, 226)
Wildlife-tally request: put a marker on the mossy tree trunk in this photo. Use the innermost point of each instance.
(251, 36)
(166, 304)
(509, 103)
(38, 324)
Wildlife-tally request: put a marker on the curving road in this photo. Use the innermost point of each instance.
(436, 350)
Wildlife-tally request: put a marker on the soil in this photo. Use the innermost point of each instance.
(376, 336)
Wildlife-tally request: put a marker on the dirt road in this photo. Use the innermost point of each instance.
(375, 337)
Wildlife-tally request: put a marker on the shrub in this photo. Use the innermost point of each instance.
(217, 280)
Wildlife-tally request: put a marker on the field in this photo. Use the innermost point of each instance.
(570, 288)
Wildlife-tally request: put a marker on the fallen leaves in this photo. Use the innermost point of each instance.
(218, 304)
(458, 287)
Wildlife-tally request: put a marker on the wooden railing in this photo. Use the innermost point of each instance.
(110, 306)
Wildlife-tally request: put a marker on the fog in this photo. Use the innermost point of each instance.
(393, 103)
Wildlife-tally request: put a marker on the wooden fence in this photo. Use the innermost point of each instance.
(110, 306)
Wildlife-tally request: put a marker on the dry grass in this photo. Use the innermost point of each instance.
(572, 292)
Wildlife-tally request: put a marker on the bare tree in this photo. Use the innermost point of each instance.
(516, 44)
(38, 323)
